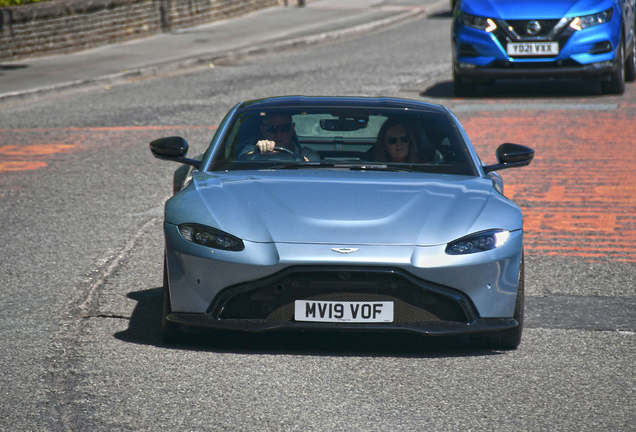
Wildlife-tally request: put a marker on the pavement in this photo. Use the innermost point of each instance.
(261, 32)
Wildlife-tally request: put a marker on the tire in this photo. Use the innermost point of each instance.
(616, 84)
(630, 62)
(460, 87)
(511, 338)
(171, 332)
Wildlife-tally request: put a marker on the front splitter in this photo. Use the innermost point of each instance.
(444, 328)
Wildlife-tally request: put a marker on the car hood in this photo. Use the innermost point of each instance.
(343, 207)
(534, 9)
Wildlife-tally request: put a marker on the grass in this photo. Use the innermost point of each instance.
(4, 3)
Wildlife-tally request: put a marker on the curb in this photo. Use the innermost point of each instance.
(229, 55)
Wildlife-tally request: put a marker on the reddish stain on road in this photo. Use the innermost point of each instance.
(33, 148)
(24, 158)
(579, 194)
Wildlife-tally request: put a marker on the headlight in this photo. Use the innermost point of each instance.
(586, 21)
(479, 23)
(210, 237)
(478, 242)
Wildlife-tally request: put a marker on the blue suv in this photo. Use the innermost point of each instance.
(501, 39)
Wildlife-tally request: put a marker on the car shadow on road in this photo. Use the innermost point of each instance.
(4, 68)
(520, 89)
(145, 328)
(445, 14)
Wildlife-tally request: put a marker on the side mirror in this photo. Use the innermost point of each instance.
(172, 149)
(510, 156)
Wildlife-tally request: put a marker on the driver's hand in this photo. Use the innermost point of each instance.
(265, 146)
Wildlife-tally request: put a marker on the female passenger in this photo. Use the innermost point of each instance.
(396, 143)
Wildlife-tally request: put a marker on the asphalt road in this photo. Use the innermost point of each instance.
(81, 262)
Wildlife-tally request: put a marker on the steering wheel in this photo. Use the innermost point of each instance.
(283, 155)
(285, 150)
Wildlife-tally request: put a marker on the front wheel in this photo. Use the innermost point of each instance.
(171, 332)
(511, 338)
(630, 62)
(460, 87)
(616, 84)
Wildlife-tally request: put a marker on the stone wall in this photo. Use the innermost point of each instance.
(63, 26)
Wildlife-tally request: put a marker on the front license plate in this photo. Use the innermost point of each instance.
(533, 49)
(334, 311)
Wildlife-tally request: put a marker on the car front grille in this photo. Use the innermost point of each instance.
(520, 27)
(273, 298)
(517, 31)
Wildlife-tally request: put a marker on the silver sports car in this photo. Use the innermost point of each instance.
(343, 213)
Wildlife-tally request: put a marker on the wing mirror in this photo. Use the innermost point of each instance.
(510, 156)
(172, 149)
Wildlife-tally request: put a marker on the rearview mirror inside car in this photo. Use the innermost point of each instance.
(344, 124)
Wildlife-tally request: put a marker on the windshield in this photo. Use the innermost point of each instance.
(343, 138)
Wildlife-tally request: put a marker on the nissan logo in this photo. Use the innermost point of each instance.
(533, 27)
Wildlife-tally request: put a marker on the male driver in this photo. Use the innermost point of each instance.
(278, 131)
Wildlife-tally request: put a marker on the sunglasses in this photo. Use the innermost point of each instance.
(272, 129)
(393, 139)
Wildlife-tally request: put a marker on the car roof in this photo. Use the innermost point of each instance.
(341, 102)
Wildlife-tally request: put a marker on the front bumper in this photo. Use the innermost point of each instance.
(198, 276)
(268, 303)
(507, 70)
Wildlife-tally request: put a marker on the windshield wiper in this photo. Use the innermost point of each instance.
(340, 165)
(374, 167)
(302, 165)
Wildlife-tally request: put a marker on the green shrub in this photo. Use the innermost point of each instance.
(4, 3)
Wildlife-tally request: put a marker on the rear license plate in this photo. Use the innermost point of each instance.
(533, 49)
(334, 311)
